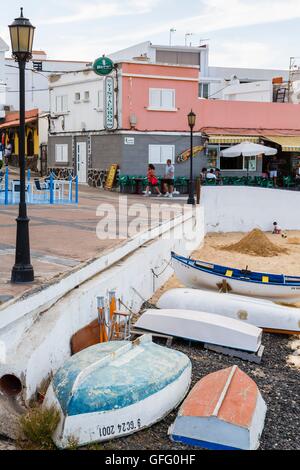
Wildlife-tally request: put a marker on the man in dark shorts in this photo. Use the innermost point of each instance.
(169, 179)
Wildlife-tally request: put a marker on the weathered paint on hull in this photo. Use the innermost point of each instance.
(197, 279)
(116, 388)
(101, 427)
(224, 410)
(263, 313)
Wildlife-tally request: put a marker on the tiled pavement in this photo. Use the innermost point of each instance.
(62, 237)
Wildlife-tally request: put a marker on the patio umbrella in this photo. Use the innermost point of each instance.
(248, 149)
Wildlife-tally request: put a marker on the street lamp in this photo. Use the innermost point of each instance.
(21, 34)
(192, 122)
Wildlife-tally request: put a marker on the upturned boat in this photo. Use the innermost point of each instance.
(202, 327)
(117, 388)
(224, 411)
(201, 275)
(263, 313)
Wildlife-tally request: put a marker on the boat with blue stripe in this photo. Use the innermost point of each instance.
(200, 274)
(117, 388)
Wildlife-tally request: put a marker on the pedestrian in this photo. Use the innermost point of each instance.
(152, 181)
(169, 179)
(273, 169)
(7, 153)
(211, 175)
(276, 229)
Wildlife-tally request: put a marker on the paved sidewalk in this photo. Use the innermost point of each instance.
(63, 237)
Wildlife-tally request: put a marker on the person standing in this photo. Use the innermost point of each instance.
(7, 153)
(273, 169)
(169, 179)
(152, 181)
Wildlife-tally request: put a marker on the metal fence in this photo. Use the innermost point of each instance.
(48, 191)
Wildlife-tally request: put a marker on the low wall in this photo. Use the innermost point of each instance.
(242, 208)
(37, 339)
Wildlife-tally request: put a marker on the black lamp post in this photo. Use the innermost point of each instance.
(21, 34)
(192, 122)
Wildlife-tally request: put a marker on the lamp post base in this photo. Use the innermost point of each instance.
(22, 274)
(22, 271)
(191, 199)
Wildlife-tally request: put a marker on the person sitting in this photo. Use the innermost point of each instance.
(211, 175)
(203, 174)
(276, 230)
(152, 181)
(218, 176)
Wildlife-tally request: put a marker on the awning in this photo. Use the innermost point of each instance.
(232, 139)
(288, 143)
(16, 123)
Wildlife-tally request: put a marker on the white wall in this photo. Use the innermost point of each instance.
(37, 93)
(255, 91)
(241, 209)
(82, 114)
(3, 49)
(37, 340)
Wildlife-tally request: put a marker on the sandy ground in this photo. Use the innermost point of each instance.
(286, 263)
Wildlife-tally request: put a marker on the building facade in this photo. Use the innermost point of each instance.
(3, 48)
(150, 125)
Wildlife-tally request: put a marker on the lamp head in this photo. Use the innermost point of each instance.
(192, 119)
(21, 35)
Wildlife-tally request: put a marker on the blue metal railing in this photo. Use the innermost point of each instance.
(50, 191)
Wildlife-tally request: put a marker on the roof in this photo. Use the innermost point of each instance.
(250, 132)
(13, 119)
(229, 395)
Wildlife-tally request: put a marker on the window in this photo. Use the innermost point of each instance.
(162, 98)
(62, 104)
(77, 97)
(238, 163)
(37, 65)
(61, 153)
(86, 96)
(159, 154)
(204, 90)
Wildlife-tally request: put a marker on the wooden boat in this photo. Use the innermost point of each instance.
(224, 411)
(117, 388)
(262, 313)
(203, 327)
(202, 275)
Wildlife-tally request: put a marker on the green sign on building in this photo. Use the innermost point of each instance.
(103, 66)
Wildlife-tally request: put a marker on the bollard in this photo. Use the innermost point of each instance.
(6, 187)
(51, 189)
(76, 190)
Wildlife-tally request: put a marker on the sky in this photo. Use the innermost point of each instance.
(241, 33)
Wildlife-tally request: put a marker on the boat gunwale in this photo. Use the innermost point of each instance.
(186, 261)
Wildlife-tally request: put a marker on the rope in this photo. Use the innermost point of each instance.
(162, 272)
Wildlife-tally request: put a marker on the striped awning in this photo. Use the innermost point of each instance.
(232, 139)
(288, 143)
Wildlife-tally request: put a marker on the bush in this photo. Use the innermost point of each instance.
(37, 427)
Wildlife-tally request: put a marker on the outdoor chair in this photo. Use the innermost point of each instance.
(288, 182)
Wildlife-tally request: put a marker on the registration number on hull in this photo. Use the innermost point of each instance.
(120, 428)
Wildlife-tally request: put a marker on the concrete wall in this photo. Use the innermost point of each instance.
(256, 91)
(241, 209)
(36, 334)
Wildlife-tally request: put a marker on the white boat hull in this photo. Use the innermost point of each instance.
(99, 427)
(203, 327)
(198, 279)
(262, 313)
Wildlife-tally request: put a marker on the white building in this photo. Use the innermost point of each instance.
(254, 91)
(3, 48)
(76, 102)
(212, 80)
(37, 72)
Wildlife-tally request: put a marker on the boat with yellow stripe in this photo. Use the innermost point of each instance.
(200, 274)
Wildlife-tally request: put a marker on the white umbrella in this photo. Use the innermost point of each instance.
(248, 149)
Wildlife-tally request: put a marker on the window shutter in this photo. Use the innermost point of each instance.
(155, 98)
(154, 154)
(168, 99)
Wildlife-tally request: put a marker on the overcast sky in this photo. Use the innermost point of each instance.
(241, 33)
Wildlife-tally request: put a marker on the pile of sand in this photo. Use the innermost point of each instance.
(256, 243)
(294, 241)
